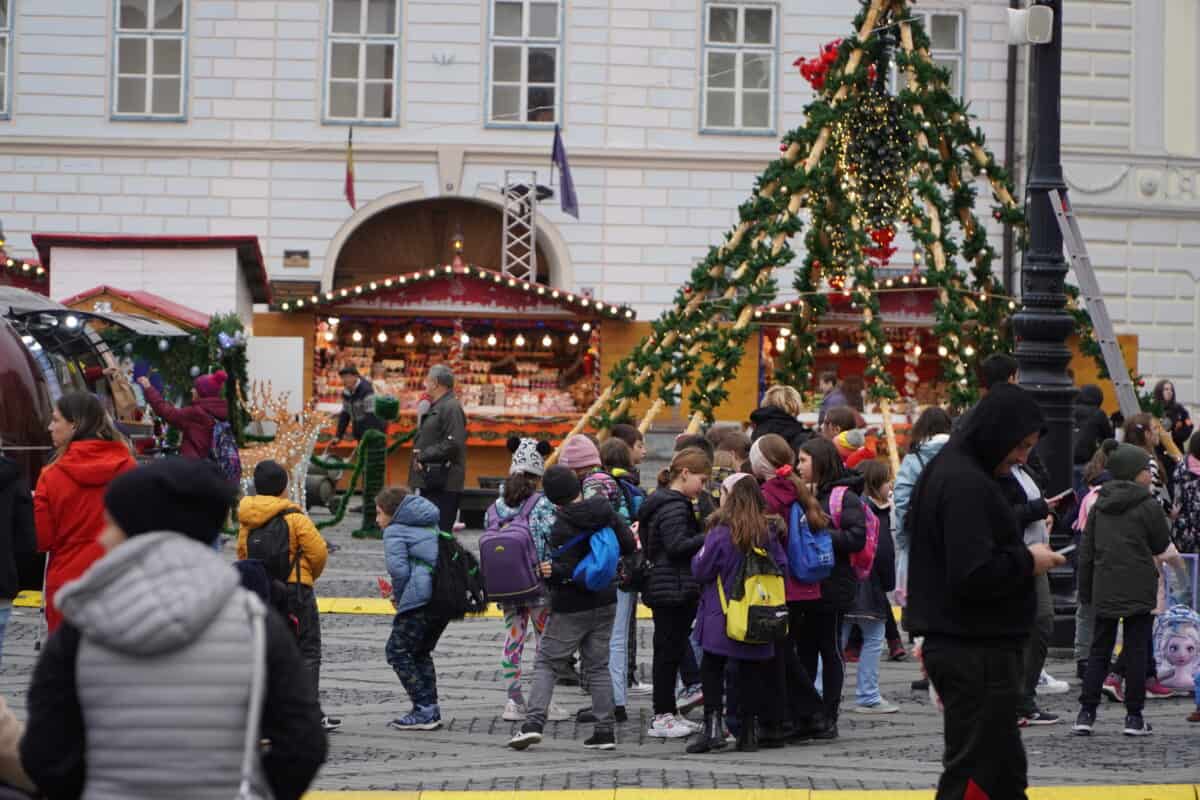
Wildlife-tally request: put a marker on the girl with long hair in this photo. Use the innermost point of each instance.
(1141, 431)
(671, 534)
(68, 505)
(772, 460)
(737, 528)
(1175, 417)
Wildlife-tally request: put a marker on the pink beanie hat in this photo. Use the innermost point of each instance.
(210, 385)
(579, 452)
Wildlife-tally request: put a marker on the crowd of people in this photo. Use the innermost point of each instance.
(768, 556)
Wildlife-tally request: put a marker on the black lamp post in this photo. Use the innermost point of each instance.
(1043, 325)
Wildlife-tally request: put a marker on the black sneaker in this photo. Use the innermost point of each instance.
(1084, 722)
(1136, 726)
(1037, 718)
(921, 685)
(530, 735)
(620, 714)
(601, 740)
(330, 724)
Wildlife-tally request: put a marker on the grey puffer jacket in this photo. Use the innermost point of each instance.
(161, 681)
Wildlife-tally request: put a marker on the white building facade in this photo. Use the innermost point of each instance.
(230, 117)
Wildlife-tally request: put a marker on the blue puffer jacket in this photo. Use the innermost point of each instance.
(411, 549)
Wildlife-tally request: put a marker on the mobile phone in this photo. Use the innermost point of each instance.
(1066, 551)
(1061, 496)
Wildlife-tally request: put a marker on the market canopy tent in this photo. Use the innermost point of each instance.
(865, 162)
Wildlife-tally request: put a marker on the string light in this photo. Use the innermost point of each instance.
(862, 349)
(785, 332)
(409, 338)
(357, 336)
(437, 337)
(465, 338)
(329, 337)
(587, 327)
(520, 340)
(333, 322)
(968, 351)
(942, 351)
(547, 341)
(780, 343)
(917, 350)
(834, 349)
(888, 349)
(491, 340)
(573, 339)
(382, 337)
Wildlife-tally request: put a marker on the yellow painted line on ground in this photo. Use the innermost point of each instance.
(381, 607)
(28, 599)
(1131, 792)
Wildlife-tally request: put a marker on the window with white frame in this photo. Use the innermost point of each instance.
(5, 50)
(151, 51)
(525, 62)
(739, 67)
(947, 48)
(361, 64)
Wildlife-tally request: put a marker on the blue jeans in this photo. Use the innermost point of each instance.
(618, 648)
(5, 612)
(867, 692)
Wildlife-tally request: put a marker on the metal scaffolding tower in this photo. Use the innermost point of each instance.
(519, 256)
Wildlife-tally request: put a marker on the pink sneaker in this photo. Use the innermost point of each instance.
(1114, 689)
(1155, 690)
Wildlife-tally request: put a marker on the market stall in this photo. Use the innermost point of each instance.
(526, 355)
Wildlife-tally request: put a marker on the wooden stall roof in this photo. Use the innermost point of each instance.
(147, 301)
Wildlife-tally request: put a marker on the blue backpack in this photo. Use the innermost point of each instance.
(598, 569)
(810, 555)
(634, 497)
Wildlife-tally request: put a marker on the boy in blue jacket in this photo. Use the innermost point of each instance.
(410, 546)
(580, 619)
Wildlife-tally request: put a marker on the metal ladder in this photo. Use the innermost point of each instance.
(1110, 348)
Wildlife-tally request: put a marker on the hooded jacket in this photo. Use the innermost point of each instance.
(771, 419)
(671, 535)
(1126, 529)
(358, 411)
(17, 532)
(841, 587)
(1091, 424)
(410, 548)
(69, 509)
(195, 422)
(870, 597)
(970, 574)
(780, 494)
(906, 480)
(144, 692)
(257, 510)
(586, 516)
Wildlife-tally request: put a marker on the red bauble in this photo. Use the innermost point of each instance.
(783, 146)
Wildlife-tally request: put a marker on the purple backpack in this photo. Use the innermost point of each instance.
(508, 556)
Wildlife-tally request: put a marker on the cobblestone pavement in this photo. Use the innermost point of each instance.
(896, 751)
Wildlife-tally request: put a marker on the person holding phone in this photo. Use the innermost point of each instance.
(972, 593)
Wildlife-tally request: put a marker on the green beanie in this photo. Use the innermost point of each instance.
(1127, 462)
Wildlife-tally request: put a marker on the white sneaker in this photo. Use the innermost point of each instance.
(695, 726)
(882, 707)
(1048, 684)
(640, 688)
(668, 726)
(557, 713)
(514, 711)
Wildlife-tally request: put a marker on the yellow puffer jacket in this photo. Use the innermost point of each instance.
(257, 510)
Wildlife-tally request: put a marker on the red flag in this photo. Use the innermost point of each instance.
(349, 189)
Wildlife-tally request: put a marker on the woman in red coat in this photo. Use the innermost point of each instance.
(195, 422)
(68, 505)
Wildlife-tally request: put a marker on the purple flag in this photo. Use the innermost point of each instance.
(566, 192)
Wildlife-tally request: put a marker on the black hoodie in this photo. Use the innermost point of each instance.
(672, 535)
(17, 533)
(586, 516)
(841, 587)
(1091, 424)
(970, 574)
(770, 419)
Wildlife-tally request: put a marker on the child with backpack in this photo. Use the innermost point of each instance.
(278, 533)
(737, 532)
(410, 546)
(587, 539)
(871, 606)
(1118, 577)
(772, 459)
(515, 542)
(852, 523)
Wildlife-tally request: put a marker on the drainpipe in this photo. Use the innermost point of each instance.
(1010, 145)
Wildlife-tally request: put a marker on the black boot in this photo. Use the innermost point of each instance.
(713, 735)
(747, 739)
(773, 736)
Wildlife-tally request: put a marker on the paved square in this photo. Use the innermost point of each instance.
(897, 751)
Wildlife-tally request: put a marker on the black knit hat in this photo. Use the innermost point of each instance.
(181, 495)
(270, 478)
(561, 485)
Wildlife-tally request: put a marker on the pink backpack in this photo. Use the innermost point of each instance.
(862, 561)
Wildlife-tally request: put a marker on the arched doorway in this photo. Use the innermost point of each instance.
(385, 239)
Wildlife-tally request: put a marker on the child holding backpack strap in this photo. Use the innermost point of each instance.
(585, 542)
(275, 531)
(871, 606)
(739, 528)
(772, 459)
(521, 502)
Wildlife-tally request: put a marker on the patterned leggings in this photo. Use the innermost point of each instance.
(516, 625)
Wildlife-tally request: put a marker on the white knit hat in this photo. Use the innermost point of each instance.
(529, 455)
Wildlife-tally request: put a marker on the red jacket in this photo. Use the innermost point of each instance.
(68, 509)
(195, 422)
(780, 494)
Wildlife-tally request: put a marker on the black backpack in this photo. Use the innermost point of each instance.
(271, 544)
(457, 582)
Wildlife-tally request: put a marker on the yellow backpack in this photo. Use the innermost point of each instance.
(756, 611)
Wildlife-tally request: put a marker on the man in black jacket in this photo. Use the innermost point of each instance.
(439, 459)
(971, 593)
(358, 406)
(580, 619)
(17, 534)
